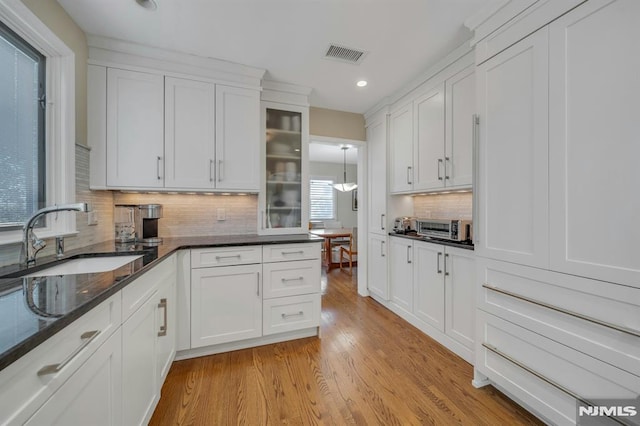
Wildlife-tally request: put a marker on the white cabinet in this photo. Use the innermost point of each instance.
(166, 314)
(135, 129)
(401, 149)
(93, 394)
(401, 272)
(377, 171)
(428, 162)
(593, 130)
(377, 282)
(460, 96)
(513, 89)
(226, 304)
(428, 283)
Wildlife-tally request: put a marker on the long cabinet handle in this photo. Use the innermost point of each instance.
(446, 160)
(438, 261)
(439, 164)
(285, 280)
(408, 254)
(297, 314)
(258, 284)
(545, 379)
(475, 158)
(163, 328)
(382, 216)
(382, 249)
(86, 337)
(409, 170)
(563, 311)
(446, 270)
(284, 253)
(235, 256)
(210, 170)
(158, 160)
(220, 175)
(262, 219)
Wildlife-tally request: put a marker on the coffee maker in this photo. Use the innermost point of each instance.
(138, 223)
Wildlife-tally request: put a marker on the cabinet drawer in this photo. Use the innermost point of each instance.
(290, 313)
(546, 375)
(286, 252)
(136, 293)
(597, 318)
(25, 386)
(291, 278)
(223, 256)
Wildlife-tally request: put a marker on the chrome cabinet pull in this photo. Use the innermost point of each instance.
(163, 328)
(438, 265)
(285, 280)
(446, 270)
(409, 173)
(439, 164)
(298, 314)
(382, 249)
(475, 123)
(159, 159)
(382, 221)
(408, 254)
(87, 337)
(262, 219)
(446, 159)
(220, 175)
(563, 311)
(284, 253)
(210, 170)
(258, 284)
(235, 256)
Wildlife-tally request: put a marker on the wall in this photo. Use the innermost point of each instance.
(337, 124)
(55, 17)
(345, 214)
(457, 205)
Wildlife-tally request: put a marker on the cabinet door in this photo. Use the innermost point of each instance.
(401, 274)
(401, 150)
(226, 304)
(377, 266)
(594, 142)
(513, 148)
(140, 387)
(428, 148)
(237, 139)
(189, 134)
(459, 292)
(428, 284)
(135, 129)
(166, 309)
(377, 151)
(93, 395)
(460, 107)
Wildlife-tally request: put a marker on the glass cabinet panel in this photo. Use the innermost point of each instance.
(283, 197)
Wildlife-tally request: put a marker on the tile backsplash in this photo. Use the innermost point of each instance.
(457, 205)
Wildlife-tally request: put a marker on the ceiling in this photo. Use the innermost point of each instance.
(289, 38)
(325, 153)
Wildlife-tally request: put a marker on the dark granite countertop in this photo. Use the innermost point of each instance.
(34, 309)
(467, 245)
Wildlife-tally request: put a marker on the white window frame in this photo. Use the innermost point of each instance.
(335, 198)
(60, 123)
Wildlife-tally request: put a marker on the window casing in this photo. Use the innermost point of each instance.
(322, 198)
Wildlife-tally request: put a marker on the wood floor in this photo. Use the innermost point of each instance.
(369, 367)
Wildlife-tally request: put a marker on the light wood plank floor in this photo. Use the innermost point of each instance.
(369, 367)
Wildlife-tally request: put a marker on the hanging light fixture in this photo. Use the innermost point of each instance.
(344, 186)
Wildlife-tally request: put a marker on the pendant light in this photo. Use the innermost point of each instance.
(344, 186)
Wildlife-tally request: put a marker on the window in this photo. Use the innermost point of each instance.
(22, 140)
(322, 198)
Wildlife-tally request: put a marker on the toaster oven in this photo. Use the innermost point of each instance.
(452, 230)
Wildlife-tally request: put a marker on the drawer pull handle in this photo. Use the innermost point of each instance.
(284, 253)
(235, 256)
(563, 311)
(87, 337)
(163, 328)
(284, 280)
(544, 378)
(299, 314)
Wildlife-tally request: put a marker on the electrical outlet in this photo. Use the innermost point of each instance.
(92, 218)
(222, 214)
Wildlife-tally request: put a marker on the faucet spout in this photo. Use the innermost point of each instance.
(31, 245)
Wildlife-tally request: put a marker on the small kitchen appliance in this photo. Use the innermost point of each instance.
(138, 223)
(453, 230)
(404, 225)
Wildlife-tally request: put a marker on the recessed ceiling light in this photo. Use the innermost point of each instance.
(148, 4)
(361, 83)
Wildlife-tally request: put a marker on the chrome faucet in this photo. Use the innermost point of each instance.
(31, 244)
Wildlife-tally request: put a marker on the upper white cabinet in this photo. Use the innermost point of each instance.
(513, 153)
(594, 146)
(431, 137)
(135, 135)
(377, 151)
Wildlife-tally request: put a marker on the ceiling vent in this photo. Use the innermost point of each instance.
(349, 55)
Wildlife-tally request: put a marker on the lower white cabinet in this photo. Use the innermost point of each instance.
(377, 282)
(226, 304)
(92, 396)
(401, 273)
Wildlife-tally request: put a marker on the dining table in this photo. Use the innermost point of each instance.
(328, 235)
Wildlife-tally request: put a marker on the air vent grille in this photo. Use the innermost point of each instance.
(345, 54)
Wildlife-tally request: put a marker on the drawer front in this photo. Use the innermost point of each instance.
(290, 313)
(291, 278)
(224, 256)
(25, 385)
(584, 314)
(287, 252)
(138, 292)
(546, 375)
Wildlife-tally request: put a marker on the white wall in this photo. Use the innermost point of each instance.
(345, 214)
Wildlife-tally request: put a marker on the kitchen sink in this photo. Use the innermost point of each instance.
(85, 265)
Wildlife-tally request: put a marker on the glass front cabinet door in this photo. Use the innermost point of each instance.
(284, 199)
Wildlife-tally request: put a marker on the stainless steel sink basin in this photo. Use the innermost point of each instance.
(85, 265)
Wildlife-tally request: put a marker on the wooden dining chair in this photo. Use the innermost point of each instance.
(351, 251)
